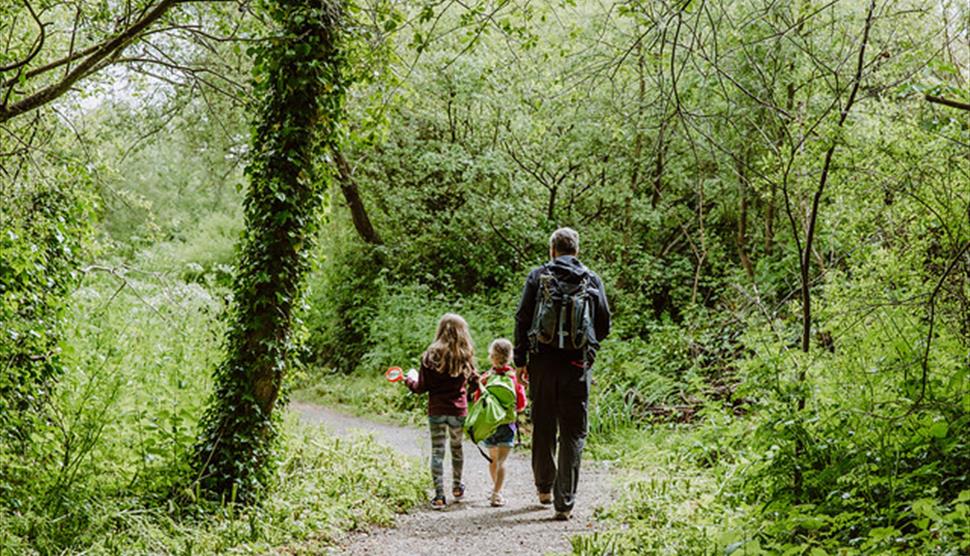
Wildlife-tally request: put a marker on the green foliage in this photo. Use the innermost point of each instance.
(344, 292)
(670, 501)
(105, 473)
(44, 234)
(687, 149)
(683, 140)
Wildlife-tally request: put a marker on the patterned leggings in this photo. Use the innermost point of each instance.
(443, 427)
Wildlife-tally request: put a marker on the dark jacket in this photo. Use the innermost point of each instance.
(566, 268)
(446, 393)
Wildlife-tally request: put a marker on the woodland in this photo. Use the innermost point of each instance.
(211, 208)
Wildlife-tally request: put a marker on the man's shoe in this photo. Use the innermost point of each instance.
(545, 498)
(563, 516)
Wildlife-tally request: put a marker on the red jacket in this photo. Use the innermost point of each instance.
(520, 399)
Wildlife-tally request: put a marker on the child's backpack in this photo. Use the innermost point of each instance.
(495, 406)
(563, 316)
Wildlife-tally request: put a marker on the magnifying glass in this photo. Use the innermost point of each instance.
(394, 374)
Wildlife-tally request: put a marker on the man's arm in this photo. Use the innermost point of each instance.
(602, 317)
(523, 319)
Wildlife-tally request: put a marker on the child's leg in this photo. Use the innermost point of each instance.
(499, 455)
(457, 457)
(492, 465)
(438, 438)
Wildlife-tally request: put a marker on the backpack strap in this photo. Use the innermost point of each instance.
(479, 446)
(482, 452)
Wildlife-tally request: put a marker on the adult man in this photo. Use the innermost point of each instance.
(562, 317)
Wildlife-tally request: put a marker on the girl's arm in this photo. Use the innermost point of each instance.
(417, 386)
(520, 399)
(479, 383)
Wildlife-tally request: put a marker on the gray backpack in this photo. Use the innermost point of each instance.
(563, 316)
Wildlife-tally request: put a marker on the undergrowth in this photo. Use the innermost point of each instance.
(106, 470)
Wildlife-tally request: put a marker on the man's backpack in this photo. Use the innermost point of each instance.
(563, 316)
(495, 406)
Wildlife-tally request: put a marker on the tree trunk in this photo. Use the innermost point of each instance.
(636, 154)
(770, 220)
(551, 208)
(348, 186)
(659, 162)
(300, 92)
(806, 254)
(743, 220)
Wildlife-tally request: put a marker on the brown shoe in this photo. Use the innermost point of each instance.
(563, 516)
(545, 498)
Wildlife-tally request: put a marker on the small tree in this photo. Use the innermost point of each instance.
(299, 86)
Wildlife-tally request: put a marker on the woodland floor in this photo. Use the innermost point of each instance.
(471, 526)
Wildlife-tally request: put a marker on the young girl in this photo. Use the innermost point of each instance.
(500, 443)
(446, 367)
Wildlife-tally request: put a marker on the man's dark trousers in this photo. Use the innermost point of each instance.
(559, 389)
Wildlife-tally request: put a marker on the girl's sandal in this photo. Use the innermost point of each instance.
(497, 500)
(438, 503)
(458, 491)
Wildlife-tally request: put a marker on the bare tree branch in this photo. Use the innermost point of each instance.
(948, 102)
(89, 65)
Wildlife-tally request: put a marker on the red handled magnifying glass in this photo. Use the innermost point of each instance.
(394, 374)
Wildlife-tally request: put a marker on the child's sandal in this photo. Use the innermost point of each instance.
(458, 491)
(497, 500)
(438, 503)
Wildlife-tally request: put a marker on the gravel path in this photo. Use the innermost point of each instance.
(472, 526)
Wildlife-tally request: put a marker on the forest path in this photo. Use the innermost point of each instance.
(472, 526)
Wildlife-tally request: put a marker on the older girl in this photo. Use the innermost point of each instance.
(446, 367)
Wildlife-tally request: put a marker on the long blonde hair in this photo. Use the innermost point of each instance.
(452, 351)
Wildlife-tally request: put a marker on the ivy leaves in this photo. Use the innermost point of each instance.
(299, 85)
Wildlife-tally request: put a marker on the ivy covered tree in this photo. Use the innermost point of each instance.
(299, 86)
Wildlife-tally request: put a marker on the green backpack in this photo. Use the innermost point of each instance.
(495, 406)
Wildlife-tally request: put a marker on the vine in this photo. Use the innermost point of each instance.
(299, 85)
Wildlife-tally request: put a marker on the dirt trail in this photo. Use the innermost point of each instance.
(472, 526)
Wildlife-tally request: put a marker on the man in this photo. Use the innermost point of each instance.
(562, 317)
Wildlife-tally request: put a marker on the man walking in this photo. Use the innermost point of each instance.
(562, 317)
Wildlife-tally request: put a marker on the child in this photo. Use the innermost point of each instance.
(500, 443)
(446, 367)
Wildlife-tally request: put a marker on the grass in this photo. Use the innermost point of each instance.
(106, 471)
(325, 486)
(363, 395)
(672, 495)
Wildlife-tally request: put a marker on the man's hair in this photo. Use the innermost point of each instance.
(565, 241)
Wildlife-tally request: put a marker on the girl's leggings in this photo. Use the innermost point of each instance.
(443, 427)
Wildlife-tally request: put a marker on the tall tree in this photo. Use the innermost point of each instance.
(300, 88)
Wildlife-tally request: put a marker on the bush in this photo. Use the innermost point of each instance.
(343, 295)
(205, 255)
(44, 233)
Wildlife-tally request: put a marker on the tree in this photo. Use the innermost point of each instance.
(299, 85)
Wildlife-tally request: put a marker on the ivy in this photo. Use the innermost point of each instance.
(299, 85)
(44, 233)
